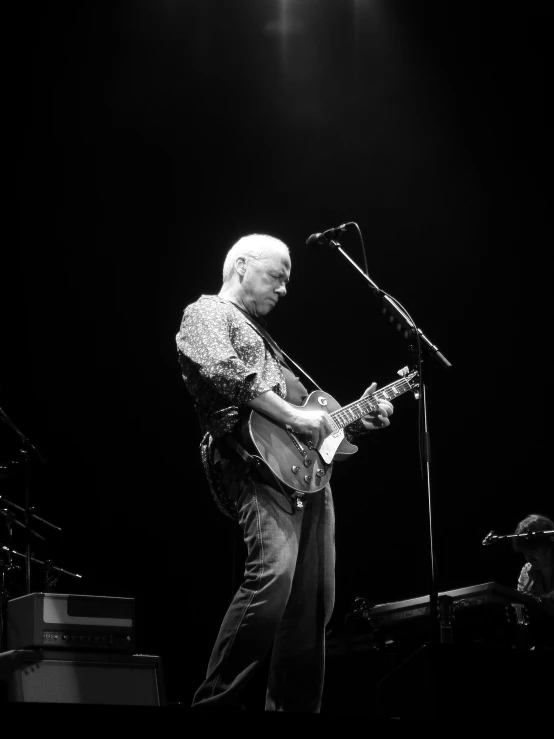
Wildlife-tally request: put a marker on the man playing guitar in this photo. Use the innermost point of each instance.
(237, 377)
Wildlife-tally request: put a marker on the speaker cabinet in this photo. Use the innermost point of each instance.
(70, 677)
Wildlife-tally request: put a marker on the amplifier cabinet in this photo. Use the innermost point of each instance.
(74, 622)
(65, 677)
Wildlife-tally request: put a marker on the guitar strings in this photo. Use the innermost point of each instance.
(350, 411)
(369, 400)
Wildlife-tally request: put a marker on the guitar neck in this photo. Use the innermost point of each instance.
(352, 412)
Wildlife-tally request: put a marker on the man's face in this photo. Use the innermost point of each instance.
(264, 282)
(538, 557)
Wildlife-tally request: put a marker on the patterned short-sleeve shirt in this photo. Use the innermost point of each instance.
(224, 363)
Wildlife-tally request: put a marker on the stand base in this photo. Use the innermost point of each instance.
(448, 680)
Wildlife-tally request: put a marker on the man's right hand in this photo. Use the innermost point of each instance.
(316, 425)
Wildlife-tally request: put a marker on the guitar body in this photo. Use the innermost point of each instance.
(288, 455)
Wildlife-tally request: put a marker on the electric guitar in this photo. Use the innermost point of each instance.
(293, 459)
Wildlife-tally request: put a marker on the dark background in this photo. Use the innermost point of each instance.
(146, 138)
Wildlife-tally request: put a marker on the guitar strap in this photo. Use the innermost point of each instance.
(298, 499)
(279, 353)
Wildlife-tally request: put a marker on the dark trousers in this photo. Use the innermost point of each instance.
(283, 604)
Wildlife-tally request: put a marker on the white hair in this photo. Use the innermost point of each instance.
(255, 246)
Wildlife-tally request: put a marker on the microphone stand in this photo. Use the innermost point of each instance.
(27, 451)
(400, 317)
(7, 568)
(6, 571)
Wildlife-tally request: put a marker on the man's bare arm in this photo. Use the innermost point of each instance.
(316, 424)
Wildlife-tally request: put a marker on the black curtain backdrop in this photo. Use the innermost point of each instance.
(145, 139)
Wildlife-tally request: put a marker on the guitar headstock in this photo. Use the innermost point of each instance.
(412, 378)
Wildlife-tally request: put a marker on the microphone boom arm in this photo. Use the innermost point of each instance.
(390, 305)
(492, 537)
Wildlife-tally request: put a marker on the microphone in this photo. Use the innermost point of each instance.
(489, 538)
(326, 237)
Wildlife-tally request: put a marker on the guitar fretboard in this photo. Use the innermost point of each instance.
(352, 412)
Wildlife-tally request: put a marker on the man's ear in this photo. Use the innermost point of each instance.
(240, 266)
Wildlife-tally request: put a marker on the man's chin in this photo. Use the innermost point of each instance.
(263, 310)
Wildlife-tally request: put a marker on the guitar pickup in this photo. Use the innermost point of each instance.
(295, 441)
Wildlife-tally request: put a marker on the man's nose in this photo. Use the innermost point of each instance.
(281, 291)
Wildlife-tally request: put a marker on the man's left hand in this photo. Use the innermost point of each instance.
(379, 418)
